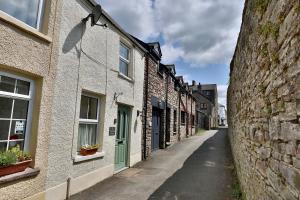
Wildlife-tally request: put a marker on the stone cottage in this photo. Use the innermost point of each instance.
(161, 100)
(27, 72)
(187, 108)
(206, 96)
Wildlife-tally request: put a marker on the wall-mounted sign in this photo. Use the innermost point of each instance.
(112, 131)
(20, 127)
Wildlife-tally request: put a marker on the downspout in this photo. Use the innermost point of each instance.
(186, 117)
(146, 107)
(192, 115)
(167, 89)
(179, 114)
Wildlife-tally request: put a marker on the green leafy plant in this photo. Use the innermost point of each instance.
(7, 158)
(21, 155)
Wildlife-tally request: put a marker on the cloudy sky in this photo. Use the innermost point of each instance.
(198, 36)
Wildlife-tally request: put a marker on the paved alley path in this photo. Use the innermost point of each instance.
(197, 168)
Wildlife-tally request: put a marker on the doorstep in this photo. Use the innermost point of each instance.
(120, 170)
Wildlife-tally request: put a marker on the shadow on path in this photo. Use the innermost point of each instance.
(205, 175)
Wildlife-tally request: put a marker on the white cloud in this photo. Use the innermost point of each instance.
(222, 94)
(171, 53)
(201, 32)
(206, 31)
(135, 16)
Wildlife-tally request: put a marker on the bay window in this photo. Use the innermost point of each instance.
(29, 11)
(124, 59)
(88, 121)
(15, 106)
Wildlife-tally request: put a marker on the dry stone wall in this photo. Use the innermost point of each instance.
(264, 100)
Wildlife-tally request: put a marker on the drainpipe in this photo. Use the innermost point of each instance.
(146, 107)
(166, 127)
(192, 115)
(179, 114)
(186, 117)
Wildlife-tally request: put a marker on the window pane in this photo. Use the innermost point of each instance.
(5, 107)
(25, 11)
(20, 109)
(93, 104)
(7, 84)
(88, 107)
(124, 52)
(15, 143)
(123, 67)
(4, 129)
(3, 146)
(87, 135)
(17, 130)
(23, 87)
(84, 107)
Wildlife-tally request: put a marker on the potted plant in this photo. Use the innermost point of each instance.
(13, 161)
(86, 150)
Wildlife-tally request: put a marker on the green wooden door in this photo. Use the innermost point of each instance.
(121, 145)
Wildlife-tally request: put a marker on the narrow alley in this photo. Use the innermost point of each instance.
(199, 167)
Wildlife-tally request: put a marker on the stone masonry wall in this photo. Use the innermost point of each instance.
(188, 105)
(264, 100)
(157, 88)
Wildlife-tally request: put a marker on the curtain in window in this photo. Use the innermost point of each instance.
(87, 135)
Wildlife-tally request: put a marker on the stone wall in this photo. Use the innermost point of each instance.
(264, 100)
(187, 105)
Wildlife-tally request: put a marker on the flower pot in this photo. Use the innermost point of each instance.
(86, 152)
(17, 167)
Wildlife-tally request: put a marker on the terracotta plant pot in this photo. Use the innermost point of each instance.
(86, 152)
(18, 167)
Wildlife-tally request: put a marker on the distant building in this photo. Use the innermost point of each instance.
(206, 104)
(222, 115)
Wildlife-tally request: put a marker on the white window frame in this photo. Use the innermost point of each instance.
(90, 121)
(125, 59)
(40, 10)
(28, 98)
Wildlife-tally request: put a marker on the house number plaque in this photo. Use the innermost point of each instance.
(112, 131)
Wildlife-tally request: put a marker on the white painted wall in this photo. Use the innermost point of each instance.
(98, 74)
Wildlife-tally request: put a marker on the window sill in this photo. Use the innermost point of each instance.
(24, 27)
(126, 77)
(79, 158)
(29, 172)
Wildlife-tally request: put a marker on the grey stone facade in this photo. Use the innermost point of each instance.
(264, 101)
(206, 96)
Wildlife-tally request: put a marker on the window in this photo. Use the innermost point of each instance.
(203, 106)
(182, 116)
(124, 59)
(175, 121)
(88, 121)
(15, 107)
(29, 11)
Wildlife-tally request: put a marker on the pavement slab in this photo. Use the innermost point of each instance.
(199, 167)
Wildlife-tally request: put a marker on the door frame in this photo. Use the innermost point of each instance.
(160, 113)
(127, 160)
